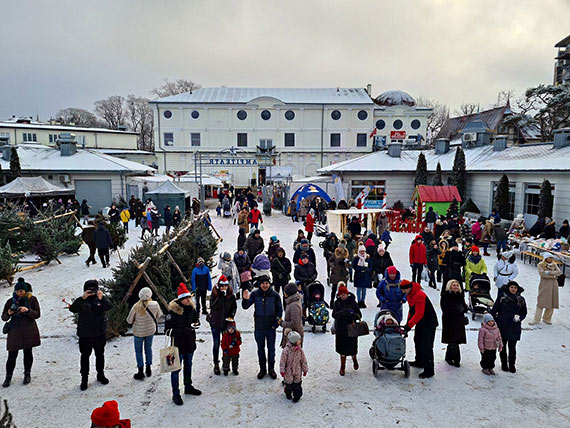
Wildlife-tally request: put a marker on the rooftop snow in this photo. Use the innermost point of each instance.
(62, 128)
(523, 158)
(286, 95)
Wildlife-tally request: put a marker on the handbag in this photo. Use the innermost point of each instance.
(245, 276)
(261, 228)
(169, 357)
(7, 326)
(154, 319)
(333, 328)
(357, 329)
(561, 279)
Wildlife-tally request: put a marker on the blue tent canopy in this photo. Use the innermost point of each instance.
(309, 190)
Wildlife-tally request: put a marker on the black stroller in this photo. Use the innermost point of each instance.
(388, 351)
(480, 300)
(321, 231)
(318, 312)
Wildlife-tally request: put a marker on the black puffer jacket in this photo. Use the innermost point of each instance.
(504, 311)
(305, 274)
(281, 270)
(380, 264)
(179, 321)
(102, 237)
(92, 321)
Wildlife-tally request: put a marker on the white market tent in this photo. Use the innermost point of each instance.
(29, 187)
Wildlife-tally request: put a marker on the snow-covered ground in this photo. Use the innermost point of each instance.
(464, 396)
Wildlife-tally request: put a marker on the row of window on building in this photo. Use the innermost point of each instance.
(288, 139)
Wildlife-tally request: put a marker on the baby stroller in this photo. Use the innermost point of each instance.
(480, 300)
(321, 231)
(318, 312)
(388, 349)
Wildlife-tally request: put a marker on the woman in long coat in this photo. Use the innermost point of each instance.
(453, 309)
(338, 269)
(345, 312)
(547, 299)
(293, 318)
(21, 310)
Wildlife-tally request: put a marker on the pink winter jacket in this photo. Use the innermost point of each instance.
(293, 363)
(490, 338)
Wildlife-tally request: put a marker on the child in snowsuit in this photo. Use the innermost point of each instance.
(386, 238)
(489, 341)
(231, 341)
(293, 366)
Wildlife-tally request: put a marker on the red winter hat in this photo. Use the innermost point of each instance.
(392, 270)
(342, 290)
(223, 280)
(405, 284)
(183, 291)
(107, 415)
(475, 249)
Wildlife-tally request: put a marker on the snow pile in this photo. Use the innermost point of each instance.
(454, 397)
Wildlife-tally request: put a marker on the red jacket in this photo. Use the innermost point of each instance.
(231, 343)
(255, 216)
(421, 313)
(418, 252)
(310, 227)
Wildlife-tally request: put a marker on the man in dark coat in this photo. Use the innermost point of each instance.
(113, 214)
(427, 235)
(180, 321)
(431, 217)
(354, 227)
(380, 261)
(88, 236)
(103, 242)
(254, 244)
(423, 317)
(268, 311)
(167, 218)
(92, 329)
(304, 247)
(280, 269)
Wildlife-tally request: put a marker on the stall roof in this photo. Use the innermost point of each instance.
(33, 186)
(168, 187)
(437, 193)
(207, 180)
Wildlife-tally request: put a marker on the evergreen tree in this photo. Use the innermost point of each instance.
(458, 172)
(502, 197)
(15, 169)
(437, 180)
(421, 171)
(469, 206)
(453, 208)
(545, 200)
(2, 182)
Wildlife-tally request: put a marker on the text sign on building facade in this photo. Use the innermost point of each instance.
(397, 135)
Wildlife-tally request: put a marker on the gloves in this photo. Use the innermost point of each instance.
(282, 374)
(407, 328)
(517, 318)
(304, 373)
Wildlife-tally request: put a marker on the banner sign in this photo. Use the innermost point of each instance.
(397, 135)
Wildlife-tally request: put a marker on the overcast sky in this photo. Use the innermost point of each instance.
(56, 54)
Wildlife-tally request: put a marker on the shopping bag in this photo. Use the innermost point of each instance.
(425, 275)
(561, 279)
(261, 228)
(333, 328)
(169, 357)
(245, 276)
(357, 329)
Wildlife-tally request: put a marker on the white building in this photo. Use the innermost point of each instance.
(301, 129)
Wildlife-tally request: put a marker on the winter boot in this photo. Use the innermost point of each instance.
(428, 370)
(355, 362)
(101, 378)
(235, 372)
(342, 365)
(217, 368)
(512, 367)
(272, 374)
(27, 378)
(140, 374)
(177, 400)
(486, 371)
(504, 365)
(148, 370)
(226, 372)
(417, 364)
(492, 372)
(262, 373)
(7, 381)
(190, 390)
(84, 383)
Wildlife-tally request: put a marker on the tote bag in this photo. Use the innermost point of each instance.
(169, 357)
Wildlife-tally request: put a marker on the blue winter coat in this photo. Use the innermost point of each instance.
(390, 295)
(201, 278)
(362, 274)
(267, 308)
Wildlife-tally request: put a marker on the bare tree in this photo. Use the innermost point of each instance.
(111, 111)
(436, 119)
(140, 119)
(178, 86)
(76, 117)
(466, 108)
(503, 97)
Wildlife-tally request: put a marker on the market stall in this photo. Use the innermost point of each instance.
(337, 220)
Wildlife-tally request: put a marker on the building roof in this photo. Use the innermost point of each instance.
(437, 193)
(563, 43)
(531, 157)
(286, 95)
(7, 124)
(38, 158)
(395, 98)
(453, 126)
(168, 188)
(33, 186)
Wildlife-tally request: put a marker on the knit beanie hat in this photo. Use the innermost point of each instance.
(199, 261)
(227, 256)
(145, 293)
(290, 289)
(223, 281)
(22, 285)
(392, 270)
(91, 284)
(274, 239)
(183, 291)
(293, 337)
(230, 322)
(487, 317)
(342, 290)
(475, 249)
(263, 278)
(361, 248)
(107, 415)
(405, 284)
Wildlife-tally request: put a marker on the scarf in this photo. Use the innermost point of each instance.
(474, 259)
(21, 301)
(362, 260)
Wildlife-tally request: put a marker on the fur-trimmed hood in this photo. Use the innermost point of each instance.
(178, 308)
